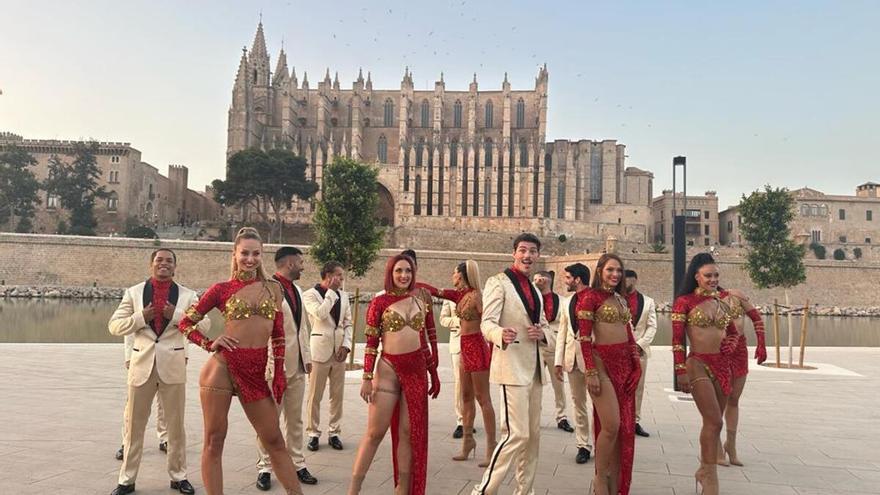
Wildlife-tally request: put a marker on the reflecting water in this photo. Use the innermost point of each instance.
(62, 321)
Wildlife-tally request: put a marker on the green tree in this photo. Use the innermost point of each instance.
(76, 185)
(839, 254)
(345, 223)
(818, 250)
(18, 189)
(773, 258)
(135, 229)
(266, 181)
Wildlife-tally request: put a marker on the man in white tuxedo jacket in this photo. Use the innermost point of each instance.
(151, 311)
(161, 427)
(297, 365)
(514, 323)
(644, 321)
(569, 359)
(552, 309)
(450, 320)
(329, 313)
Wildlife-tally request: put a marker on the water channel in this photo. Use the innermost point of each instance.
(85, 321)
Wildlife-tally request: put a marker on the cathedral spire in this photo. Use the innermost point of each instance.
(360, 74)
(241, 77)
(259, 47)
(327, 76)
(336, 80)
(281, 74)
(305, 80)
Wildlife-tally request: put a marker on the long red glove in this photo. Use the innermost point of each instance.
(731, 340)
(679, 333)
(758, 323)
(279, 381)
(434, 389)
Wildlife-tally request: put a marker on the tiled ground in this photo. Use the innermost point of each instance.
(801, 433)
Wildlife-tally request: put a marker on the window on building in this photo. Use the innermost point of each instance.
(814, 210)
(389, 113)
(456, 114)
(349, 114)
(53, 201)
(867, 240)
(706, 241)
(841, 214)
(114, 159)
(730, 226)
(419, 149)
(823, 210)
(816, 236)
(489, 114)
(842, 238)
(705, 230)
(453, 153)
(523, 153)
(112, 202)
(520, 113)
(805, 210)
(382, 148)
(869, 215)
(692, 213)
(426, 114)
(706, 214)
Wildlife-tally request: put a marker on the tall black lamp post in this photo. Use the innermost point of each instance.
(679, 241)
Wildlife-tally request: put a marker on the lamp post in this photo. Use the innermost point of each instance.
(679, 242)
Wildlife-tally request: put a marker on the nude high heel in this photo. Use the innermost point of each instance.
(706, 480)
(468, 445)
(730, 448)
(490, 449)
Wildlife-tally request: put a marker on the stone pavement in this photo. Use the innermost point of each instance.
(801, 433)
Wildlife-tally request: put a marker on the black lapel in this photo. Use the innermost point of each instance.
(286, 294)
(173, 296)
(534, 313)
(554, 311)
(298, 311)
(572, 314)
(147, 299)
(640, 305)
(336, 310)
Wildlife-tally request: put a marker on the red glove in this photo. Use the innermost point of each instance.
(434, 389)
(728, 345)
(279, 381)
(761, 350)
(435, 358)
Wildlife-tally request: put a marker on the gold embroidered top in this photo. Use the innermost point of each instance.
(466, 309)
(392, 321)
(608, 313)
(238, 309)
(698, 318)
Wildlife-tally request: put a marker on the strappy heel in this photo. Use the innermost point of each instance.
(468, 446)
(730, 448)
(706, 480)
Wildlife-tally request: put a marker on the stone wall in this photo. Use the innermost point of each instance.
(32, 260)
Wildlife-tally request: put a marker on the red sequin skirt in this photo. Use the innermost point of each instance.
(739, 360)
(411, 369)
(476, 353)
(618, 362)
(717, 367)
(247, 368)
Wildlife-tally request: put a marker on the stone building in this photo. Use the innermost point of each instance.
(474, 159)
(834, 221)
(136, 188)
(701, 218)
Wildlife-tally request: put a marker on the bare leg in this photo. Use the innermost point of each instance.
(387, 393)
(480, 381)
(710, 402)
(216, 396)
(468, 413)
(606, 407)
(404, 450)
(731, 419)
(263, 415)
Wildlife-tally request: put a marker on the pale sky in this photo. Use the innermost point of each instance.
(756, 92)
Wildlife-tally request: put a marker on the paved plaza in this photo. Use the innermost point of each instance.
(801, 433)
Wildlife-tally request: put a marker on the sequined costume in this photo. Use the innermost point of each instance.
(621, 361)
(739, 360)
(247, 366)
(412, 370)
(476, 353)
(686, 312)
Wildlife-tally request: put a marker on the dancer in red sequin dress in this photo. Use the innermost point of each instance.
(702, 314)
(613, 370)
(397, 393)
(476, 356)
(251, 304)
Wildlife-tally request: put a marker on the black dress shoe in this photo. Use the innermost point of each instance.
(563, 425)
(583, 456)
(640, 432)
(120, 453)
(163, 446)
(306, 477)
(458, 433)
(313, 444)
(264, 481)
(183, 486)
(335, 442)
(122, 490)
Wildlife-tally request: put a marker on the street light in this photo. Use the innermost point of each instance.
(679, 242)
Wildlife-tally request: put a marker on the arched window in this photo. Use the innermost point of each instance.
(389, 113)
(453, 153)
(805, 210)
(823, 210)
(520, 113)
(489, 114)
(349, 114)
(456, 114)
(815, 210)
(383, 149)
(487, 148)
(426, 114)
(523, 153)
(112, 201)
(419, 148)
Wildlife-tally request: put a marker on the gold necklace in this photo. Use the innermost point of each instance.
(245, 276)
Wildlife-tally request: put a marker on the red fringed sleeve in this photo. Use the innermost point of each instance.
(585, 308)
(373, 333)
(196, 313)
(279, 380)
(680, 311)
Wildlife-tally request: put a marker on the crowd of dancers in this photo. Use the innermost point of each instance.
(512, 331)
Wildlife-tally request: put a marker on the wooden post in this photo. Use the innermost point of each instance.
(804, 332)
(776, 330)
(357, 307)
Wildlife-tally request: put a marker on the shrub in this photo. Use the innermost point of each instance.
(818, 250)
(839, 254)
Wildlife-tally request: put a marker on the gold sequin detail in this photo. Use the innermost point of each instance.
(392, 321)
(679, 317)
(736, 308)
(466, 309)
(584, 315)
(681, 367)
(678, 348)
(371, 331)
(699, 318)
(706, 293)
(193, 314)
(237, 309)
(371, 350)
(611, 314)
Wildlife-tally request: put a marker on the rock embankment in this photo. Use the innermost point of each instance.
(59, 292)
(815, 310)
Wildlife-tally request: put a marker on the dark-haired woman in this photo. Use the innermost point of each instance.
(703, 314)
(612, 373)
(251, 304)
(476, 356)
(398, 392)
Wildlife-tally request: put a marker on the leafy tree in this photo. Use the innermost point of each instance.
(266, 181)
(18, 189)
(818, 250)
(134, 228)
(773, 258)
(839, 254)
(76, 185)
(658, 248)
(345, 223)
(857, 253)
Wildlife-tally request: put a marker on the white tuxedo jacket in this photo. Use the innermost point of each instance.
(645, 324)
(450, 320)
(328, 334)
(568, 349)
(167, 351)
(297, 353)
(503, 307)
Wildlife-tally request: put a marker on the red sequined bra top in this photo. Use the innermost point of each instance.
(382, 319)
(224, 296)
(686, 312)
(596, 305)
